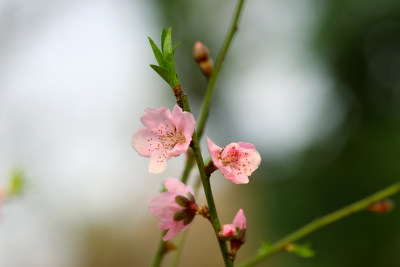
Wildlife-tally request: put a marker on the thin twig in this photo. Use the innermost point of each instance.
(321, 222)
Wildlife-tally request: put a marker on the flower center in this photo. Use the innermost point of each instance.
(232, 158)
(169, 136)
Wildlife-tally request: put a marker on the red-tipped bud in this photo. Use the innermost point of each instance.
(207, 67)
(382, 206)
(227, 232)
(200, 52)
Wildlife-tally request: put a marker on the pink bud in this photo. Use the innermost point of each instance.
(200, 52)
(207, 67)
(227, 232)
(240, 220)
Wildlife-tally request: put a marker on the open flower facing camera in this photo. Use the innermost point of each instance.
(163, 136)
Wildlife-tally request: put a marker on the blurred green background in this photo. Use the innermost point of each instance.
(337, 62)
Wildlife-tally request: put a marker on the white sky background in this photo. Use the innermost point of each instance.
(74, 80)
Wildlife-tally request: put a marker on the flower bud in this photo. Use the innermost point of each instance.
(200, 52)
(227, 232)
(382, 206)
(207, 67)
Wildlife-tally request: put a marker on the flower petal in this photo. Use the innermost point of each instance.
(213, 149)
(183, 121)
(158, 161)
(144, 142)
(164, 207)
(240, 220)
(175, 230)
(152, 117)
(175, 186)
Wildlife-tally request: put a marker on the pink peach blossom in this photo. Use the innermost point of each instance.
(236, 161)
(175, 208)
(163, 136)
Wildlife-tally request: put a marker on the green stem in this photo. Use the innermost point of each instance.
(159, 253)
(188, 167)
(321, 222)
(207, 190)
(220, 60)
(206, 107)
(181, 239)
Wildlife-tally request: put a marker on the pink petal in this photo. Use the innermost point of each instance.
(240, 220)
(158, 161)
(246, 145)
(152, 118)
(214, 150)
(144, 142)
(230, 174)
(180, 148)
(175, 230)
(252, 160)
(238, 179)
(228, 230)
(175, 186)
(183, 121)
(228, 148)
(164, 206)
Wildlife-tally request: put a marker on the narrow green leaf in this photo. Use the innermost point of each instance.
(157, 53)
(173, 50)
(167, 46)
(165, 74)
(163, 35)
(169, 63)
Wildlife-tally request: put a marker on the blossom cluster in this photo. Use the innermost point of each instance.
(166, 134)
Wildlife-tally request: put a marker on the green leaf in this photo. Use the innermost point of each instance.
(303, 251)
(165, 74)
(173, 50)
(167, 46)
(169, 63)
(157, 53)
(163, 35)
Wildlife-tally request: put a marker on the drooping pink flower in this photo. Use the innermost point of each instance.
(163, 136)
(175, 208)
(236, 161)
